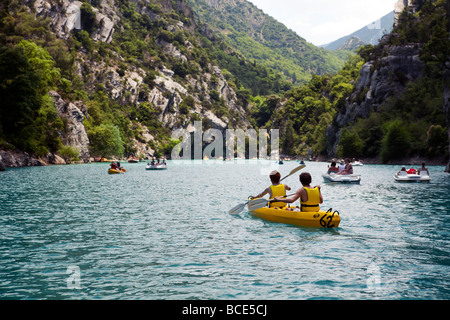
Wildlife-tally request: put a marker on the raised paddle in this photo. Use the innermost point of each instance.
(300, 167)
(237, 209)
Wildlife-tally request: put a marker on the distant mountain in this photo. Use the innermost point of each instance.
(370, 34)
(265, 41)
(352, 44)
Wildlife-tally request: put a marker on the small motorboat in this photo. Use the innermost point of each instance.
(357, 163)
(341, 178)
(412, 177)
(157, 166)
(132, 160)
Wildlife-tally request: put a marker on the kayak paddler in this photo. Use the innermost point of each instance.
(310, 197)
(277, 189)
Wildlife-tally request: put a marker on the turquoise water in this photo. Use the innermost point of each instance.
(75, 232)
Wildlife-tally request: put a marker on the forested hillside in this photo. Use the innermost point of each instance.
(397, 108)
(121, 79)
(386, 104)
(131, 72)
(265, 41)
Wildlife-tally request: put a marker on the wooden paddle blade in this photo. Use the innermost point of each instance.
(300, 167)
(237, 209)
(294, 171)
(257, 204)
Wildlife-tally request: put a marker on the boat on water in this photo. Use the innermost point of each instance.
(357, 163)
(319, 219)
(115, 171)
(341, 178)
(412, 177)
(158, 166)
(131, 160)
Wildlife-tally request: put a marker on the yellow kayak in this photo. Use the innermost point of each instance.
(114, 171)
(320, 219)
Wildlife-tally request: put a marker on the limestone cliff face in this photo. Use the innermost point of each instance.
(377, 83)
(73, 114)
(378, 80)
(127, 85)
(65, 16)
(387, 74)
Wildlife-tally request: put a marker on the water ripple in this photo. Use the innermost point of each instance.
(167, 235)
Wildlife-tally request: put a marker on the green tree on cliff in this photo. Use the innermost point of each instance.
(105, 141)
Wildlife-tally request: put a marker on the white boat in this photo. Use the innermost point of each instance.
(160, 166)
(412, 177)
(357, 163)
(341, 178)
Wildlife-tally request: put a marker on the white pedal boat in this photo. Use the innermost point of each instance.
(156, 167)
(412, 177)
(341, 178)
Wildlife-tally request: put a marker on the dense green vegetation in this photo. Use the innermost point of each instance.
(307, 110)
(411, 123)
(33, 62)
(267, 42)
(28, 118)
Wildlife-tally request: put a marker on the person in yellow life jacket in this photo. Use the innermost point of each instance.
(277, 189)
(310, 197)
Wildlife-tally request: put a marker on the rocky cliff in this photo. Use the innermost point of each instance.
(379, 80)
(66, 17)
(125, 81)
(413, 53)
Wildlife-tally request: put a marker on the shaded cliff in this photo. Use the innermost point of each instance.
(395, 110)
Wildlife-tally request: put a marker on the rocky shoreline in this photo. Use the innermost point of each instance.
(17, 158)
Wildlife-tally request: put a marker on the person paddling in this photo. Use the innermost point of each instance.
(310, 197)
(277, 189)
(114, 165)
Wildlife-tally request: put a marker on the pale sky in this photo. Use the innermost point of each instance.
(323, 21)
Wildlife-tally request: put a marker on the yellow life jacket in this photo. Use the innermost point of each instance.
(312, 205)
(277, 191)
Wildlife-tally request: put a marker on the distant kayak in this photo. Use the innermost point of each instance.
(341, 178)
(319, 219)
(115, 171)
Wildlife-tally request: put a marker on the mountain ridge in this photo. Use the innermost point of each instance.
(262, 39)
(369, 34)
